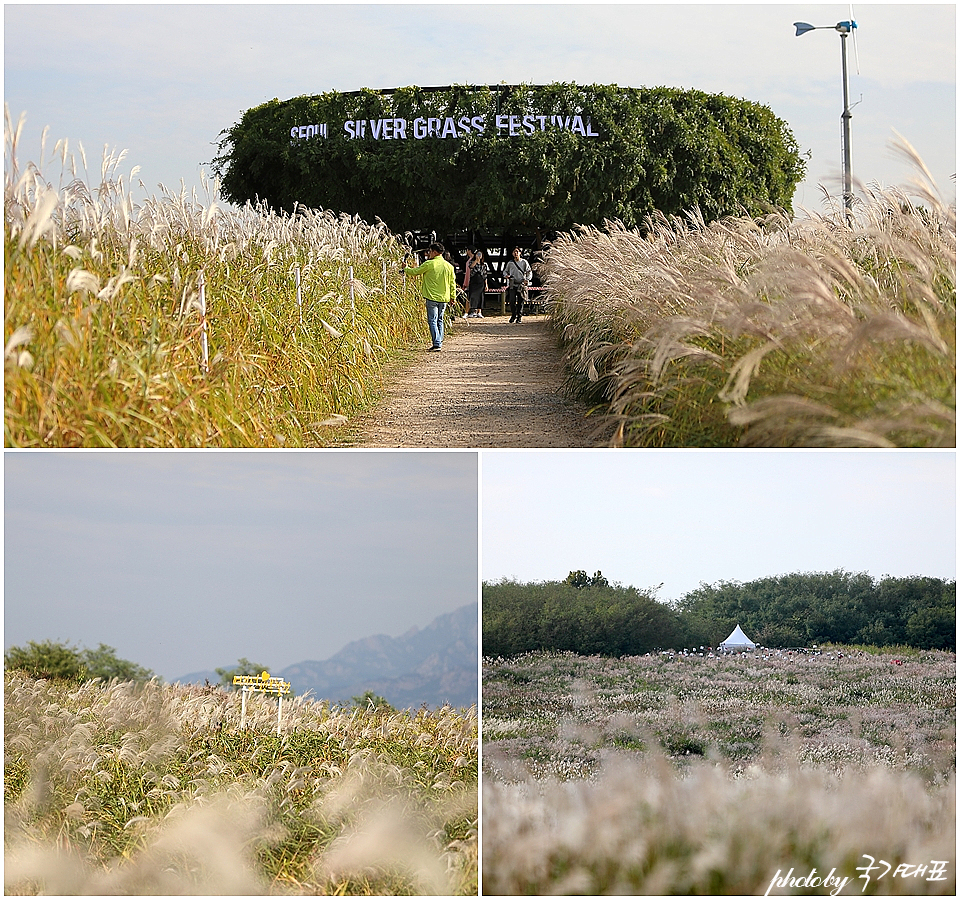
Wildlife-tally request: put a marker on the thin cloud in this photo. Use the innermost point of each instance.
(185, 561)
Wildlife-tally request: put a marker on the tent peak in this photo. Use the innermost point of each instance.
(737, 641)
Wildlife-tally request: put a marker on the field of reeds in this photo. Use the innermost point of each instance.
(704, 774)
(808, 331)
(154, 789)
(177, 322)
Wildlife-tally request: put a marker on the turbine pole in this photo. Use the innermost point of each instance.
(845, 121)
(844, 28)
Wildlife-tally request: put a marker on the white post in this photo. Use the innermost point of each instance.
(202, 284)
(299, 296)
(262, 684)
(353, 314)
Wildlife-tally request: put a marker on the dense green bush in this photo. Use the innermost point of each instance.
(638, 150)
(54, 659)
(593, 617)
(836, 607)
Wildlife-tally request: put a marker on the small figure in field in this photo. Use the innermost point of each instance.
(476, 277)
(519, 275)
(438, 288)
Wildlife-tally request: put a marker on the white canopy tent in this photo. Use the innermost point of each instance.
(737, 641)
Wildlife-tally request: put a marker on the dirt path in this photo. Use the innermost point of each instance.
(493, 385)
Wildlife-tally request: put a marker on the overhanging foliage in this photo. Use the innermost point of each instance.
(639, 150)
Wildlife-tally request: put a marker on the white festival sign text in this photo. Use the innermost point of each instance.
(419, 128)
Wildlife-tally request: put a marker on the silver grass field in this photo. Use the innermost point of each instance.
(804, 331)
(700, 774)
(176, 322)
(154, 789)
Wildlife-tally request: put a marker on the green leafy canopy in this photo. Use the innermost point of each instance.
(53, 659)
(655, 149)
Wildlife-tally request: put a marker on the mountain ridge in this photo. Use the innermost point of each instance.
(429, 666)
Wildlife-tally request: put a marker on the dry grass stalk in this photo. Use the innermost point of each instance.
(668, 774)
(639, 830)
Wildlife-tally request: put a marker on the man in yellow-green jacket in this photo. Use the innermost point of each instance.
(438, 287)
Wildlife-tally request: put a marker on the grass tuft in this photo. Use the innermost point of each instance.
(767, 332)
(679, 775)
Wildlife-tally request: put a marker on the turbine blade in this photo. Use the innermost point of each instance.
(856, 51)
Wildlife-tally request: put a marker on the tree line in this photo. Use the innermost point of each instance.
(60, 660)
(588, 615)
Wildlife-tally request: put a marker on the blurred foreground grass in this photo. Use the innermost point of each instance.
(666, 774)
(119, 789)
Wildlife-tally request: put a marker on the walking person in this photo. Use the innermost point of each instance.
(519, 275)
(478, 272)
(438, 288)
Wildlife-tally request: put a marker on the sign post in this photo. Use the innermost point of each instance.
(299, 296)
(261, 684)
(202, 287)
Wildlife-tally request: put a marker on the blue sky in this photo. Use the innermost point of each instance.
(685, 517)
(185, 561)
(162, 81)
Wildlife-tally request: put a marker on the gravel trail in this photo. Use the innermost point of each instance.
(493, 385)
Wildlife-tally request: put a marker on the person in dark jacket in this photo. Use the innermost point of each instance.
(519, 274)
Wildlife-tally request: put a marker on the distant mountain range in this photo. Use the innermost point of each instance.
(432, 666)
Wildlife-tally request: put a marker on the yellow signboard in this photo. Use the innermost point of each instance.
(263, 683)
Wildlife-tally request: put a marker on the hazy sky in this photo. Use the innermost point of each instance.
(162, 81)
(185, 561)
(682, 517)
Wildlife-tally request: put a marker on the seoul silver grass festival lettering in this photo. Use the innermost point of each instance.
(429, 127)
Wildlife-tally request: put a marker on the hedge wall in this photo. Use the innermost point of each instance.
(630, 152)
